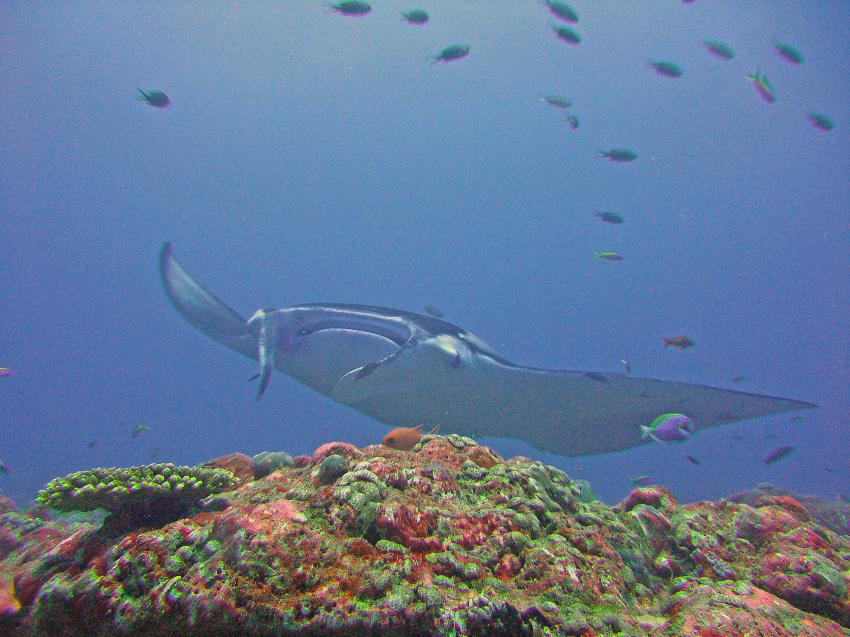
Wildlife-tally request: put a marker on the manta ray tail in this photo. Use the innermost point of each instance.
(202, 308)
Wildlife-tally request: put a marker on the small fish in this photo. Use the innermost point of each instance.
(5, 372)
(561, 10)
(557, 101)
(821, 121)
(566, 34)
(618, 154)
(451, 53)
(572, 120)
(679, 342)
(762, 86)
(641, 480)
(667, 69)
(738, 379)
(4, 468)
(829, 469)
(788, 53)
(609, 217)
(349, 7)
(137, 429)
(432, 310)
(777, 454)
(405, 438)
(627, 366)
(609, 255)
(157, 99)
(668, 428)
(92, 443)
(719, 49)
(415, 16)
(691, 459)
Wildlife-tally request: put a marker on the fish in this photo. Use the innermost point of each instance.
(692, 459)
(738, 379)
(668, 428)
(821, 121)
(679, 342)
(5, 372)
(566, 34)
(557, 101)
(788, 53)
(92, 443)
(403, 368)
(762, 86)
(432, 310)
(451, 53)
(157, 99)
(778, 454)
(349, 7)
(719, 49)
(667, 69)
(609, 217)
(415, 16)
(609, 255)
(561, 10)
(572, 120)
(137, 429)
(641, 479)
(618, 154)
(627, 366)
(405, 438)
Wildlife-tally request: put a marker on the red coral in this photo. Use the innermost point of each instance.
(654, 496)
(790, 504)
(340, 448)
(410, 527)
(476, 530)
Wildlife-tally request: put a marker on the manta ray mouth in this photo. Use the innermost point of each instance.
(398, 336)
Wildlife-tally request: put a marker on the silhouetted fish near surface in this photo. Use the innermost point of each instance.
(821, 121)
(719, 50)
(778, 454)
(672, 427)
(609, 217)
(738, 379)
(679, 342)
(157, 99)
(349, 7)
(432, 310)
(691, 459)
(142, 426)
(566, 34)
(762, 86)
(451, 53)
(5, 372)
(561, 10)
(572, 120)
(557, 101)
(788, 53)
(667, 69)
(618, 154)
(415, 16)
(609, 255)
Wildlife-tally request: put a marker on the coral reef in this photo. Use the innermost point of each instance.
(446, 539)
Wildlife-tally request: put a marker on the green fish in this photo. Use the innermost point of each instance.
(618, 154)
(821, 121)
(667, 69)
(562, 10)
(609, 255)
(349, 7)
(142, 426)
(719, 49)
(566, 34)
(572, 120)
(451, 53)
(788, 53)
(609, 217)
(557, 101)
(415, 16)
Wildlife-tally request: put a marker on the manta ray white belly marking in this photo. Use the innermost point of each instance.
(408, 369)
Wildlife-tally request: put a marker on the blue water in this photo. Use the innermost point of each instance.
(312, 157)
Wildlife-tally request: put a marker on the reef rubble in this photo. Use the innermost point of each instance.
(447, 539)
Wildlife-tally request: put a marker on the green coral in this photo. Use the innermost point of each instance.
(148, 486)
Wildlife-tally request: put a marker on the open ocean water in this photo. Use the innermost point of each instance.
(309, 156)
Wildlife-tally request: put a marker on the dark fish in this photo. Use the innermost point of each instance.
(566, 34)
(641, 480)
(451, 53)
(137, 429)
(627, 366)
(609, 255)
(829, 469)
(561, 10)
(415, 16)
(557, 101)
(618, 154)
(609, 217)
(572, 120)
(777, 454)
(679, 342)
(821, 121)
(667, 69)
(691, 459)
(788, 53)
(432, 311)
(5, 372)
(349, 7)
(719, 49)
(738, 379)
(157, 99)
(762, 86)
(92, 443)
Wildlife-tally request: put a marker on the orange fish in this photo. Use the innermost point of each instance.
(405, 438)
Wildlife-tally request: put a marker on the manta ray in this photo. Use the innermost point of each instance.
(407, 369)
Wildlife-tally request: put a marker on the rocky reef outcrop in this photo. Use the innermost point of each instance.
(446, 539)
